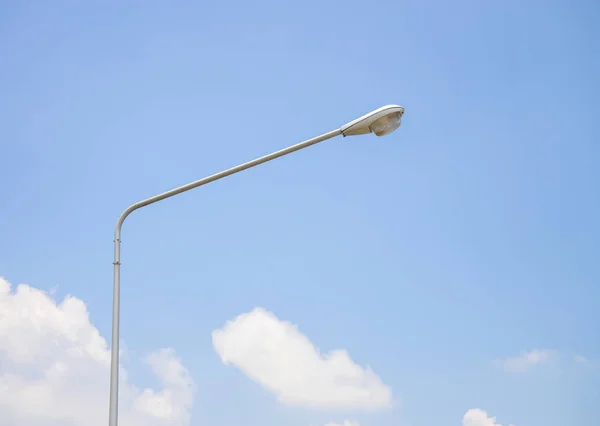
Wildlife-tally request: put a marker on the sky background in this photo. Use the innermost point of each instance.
(467, 237)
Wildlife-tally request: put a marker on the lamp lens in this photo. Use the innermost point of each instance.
(386, 125)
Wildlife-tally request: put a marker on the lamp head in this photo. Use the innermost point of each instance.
(382, 121)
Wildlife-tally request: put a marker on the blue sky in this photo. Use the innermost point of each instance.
(467, 237)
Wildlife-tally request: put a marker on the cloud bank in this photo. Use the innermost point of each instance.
(344, 423)
(54, 369)
(527, 360)
(277, 355)
(478, 417)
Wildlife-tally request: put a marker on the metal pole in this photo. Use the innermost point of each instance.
(114, 361)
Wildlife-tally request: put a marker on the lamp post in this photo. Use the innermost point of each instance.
(382, 121)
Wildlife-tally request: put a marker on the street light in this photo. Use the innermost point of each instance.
(382, 121)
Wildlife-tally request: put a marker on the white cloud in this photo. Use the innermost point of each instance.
(527, 360)
(585, 362)
(344, 423)
(477, 417)
(54, 369)
(278, 356)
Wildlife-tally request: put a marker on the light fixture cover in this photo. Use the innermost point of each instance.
(382, 121)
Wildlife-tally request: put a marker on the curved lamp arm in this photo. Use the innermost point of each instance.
(381, 121)
(114, 360)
